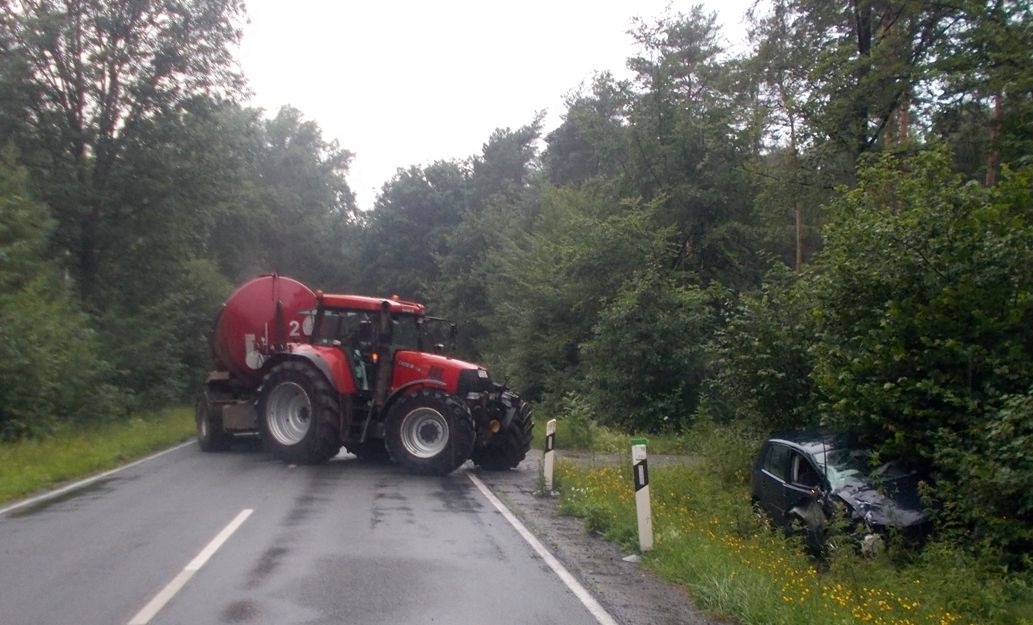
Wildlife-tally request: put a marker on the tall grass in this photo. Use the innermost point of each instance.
(31, 465)
(574, 433)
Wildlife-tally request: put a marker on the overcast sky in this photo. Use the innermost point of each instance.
(408, 82)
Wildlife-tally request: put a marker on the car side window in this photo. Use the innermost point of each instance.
(775, 460)
(804, 472)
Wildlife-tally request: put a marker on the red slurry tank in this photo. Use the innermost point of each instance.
(259, 318)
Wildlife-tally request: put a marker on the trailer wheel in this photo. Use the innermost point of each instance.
(299, 411)
(430, 432)
(210, 435)
(508, 448)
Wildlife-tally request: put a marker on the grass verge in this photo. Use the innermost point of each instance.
(32, 465)
(708, 538)
(589, 436)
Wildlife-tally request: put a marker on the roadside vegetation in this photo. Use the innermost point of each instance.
(710, 539)
(829, 228)
(70, 453)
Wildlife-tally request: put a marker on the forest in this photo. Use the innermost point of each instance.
(832, 228)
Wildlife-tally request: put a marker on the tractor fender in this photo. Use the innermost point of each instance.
(401, 390)
(313, 359)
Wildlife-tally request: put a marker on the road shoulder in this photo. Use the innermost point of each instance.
(634, 596)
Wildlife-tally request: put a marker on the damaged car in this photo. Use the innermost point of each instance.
(804, 481)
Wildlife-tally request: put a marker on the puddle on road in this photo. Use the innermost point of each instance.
(239, 612)
(457, 495)
(268, 563)
(93, 488)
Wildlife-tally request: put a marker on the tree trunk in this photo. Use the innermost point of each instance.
(88, 256)
(863, 31)
(799, 235)
(905, 117)
(992, 151)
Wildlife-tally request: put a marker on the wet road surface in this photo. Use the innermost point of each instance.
(339, 543)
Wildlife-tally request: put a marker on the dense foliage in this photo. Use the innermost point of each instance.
(831, 228)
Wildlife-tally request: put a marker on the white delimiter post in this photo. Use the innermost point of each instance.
(642, 507)
(550, 453)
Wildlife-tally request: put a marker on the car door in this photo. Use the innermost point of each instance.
(803, 483)
(770, 477)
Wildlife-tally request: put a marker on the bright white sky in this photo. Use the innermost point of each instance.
(409, 82)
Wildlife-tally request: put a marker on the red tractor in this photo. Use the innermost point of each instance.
(312, 372)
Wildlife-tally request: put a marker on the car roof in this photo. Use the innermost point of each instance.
(812, 441)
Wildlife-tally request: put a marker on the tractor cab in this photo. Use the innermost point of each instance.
(370, 331)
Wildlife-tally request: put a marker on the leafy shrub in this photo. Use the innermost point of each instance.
(989, 474)
(762, 357)
(926, 301)
(50, 369)
(160, 348)
(925, 342)
(580, 427)
(50, 364)
(726, 451)
(645, 362)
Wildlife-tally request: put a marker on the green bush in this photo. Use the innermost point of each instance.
(762, 358)
(989, 475)
(160, 348)
(50, 365)
(645, 362)
(925, 340)
(580, 425)
(50, 370)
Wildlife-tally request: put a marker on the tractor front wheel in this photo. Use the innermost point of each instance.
(299, 414)
(430, 432)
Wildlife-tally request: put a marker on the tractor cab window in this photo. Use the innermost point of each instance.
(439, 335)
(352, 329)
(405, 333)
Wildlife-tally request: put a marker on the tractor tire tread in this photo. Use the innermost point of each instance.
(508, 448)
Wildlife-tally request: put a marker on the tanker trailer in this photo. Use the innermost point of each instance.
(312, 372)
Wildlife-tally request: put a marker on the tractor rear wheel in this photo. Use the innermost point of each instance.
(210, 435)
(299, 414)
(430, 432)
(507, 448)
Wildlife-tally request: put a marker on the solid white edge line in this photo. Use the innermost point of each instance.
(89, 480)
(155, 605)
(601, 615)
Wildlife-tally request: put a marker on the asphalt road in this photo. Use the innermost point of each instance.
(339, 543)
